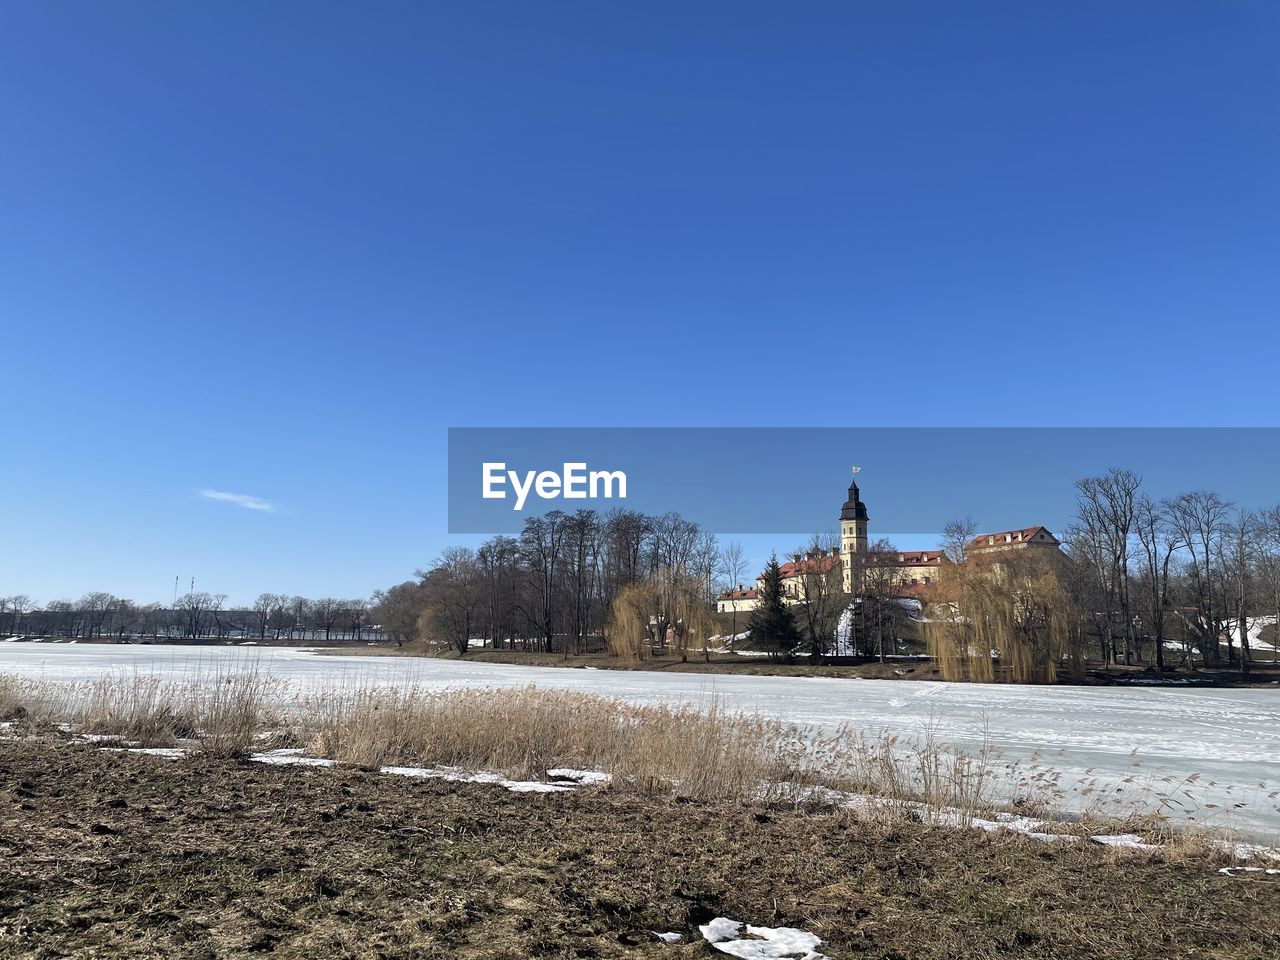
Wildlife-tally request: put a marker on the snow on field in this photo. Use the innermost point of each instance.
(1235, 871)
(165, 753)
(463, 776)
(290, 757)
(1200, 746)
(1126, 841)
(584, 777)
(760, 943)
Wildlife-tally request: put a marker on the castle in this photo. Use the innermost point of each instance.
(909, 572)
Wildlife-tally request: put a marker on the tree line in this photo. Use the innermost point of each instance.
(1188, 580)
(1184, 580)
(1193, 569)
(99, 615)
(553, 588)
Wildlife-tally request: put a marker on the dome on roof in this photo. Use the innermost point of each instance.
(854, 508)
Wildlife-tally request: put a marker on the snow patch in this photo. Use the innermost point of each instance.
(1232, 871)
(458, 775)
(103, 738)
(1249, 851)
(291, 757)
(761, 943)
(167, 753)
(1127, 841)
(583, 777)
(668, 937)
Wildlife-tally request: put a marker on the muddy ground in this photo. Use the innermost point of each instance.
(106, 854)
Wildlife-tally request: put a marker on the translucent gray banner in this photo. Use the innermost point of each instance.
(788, 480)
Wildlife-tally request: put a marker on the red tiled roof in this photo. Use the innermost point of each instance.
(917, 591)
(1015, 536)
(796, 568)
(748, 594)
(909, 558)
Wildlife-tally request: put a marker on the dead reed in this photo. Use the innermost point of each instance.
(525, 732)
(704, 753)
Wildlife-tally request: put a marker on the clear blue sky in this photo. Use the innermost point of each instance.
(277, 249)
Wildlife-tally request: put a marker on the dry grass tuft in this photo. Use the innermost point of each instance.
(223, 713)
(682, 750)
(146, 710)
(910, 771)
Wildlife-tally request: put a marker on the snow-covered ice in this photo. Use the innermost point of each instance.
(1095, 737)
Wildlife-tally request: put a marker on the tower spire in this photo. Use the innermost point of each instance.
(853, 533)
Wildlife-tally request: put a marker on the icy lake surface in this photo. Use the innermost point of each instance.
(1226, 741)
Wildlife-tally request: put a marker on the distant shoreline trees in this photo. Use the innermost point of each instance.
(1186, 581)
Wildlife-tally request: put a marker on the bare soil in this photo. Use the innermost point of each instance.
(106, 854)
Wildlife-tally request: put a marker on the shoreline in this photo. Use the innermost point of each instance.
(1263, 675)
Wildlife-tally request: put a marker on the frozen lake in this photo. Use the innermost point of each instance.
(1228, 739)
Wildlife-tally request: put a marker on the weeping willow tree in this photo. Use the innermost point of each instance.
(668, 610)
(1006, 617)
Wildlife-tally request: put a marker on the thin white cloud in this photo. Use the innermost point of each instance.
(239, 499)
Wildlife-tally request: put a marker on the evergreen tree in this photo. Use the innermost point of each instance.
(772, 627)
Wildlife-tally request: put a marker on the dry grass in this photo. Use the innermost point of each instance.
(223, 713)
(916, 771)
(687, 751)
(706, 754)
(694, 753)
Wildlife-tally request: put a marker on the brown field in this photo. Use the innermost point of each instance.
(110, 854)
(106, 853)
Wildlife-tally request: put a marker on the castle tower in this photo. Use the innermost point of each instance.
(853, 533)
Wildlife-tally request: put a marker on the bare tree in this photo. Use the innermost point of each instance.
(1239, 563)
(956, 537)
(880, 595)
(1269, 573)
(357, 611)
(1106, 506)
(300, 612)
(582, 572)
(126, 616)
(194, 608)
(325, 613)
(1159, 541)
(262, 609)
(221, 618)
(1200, 519)
(19, 606)
(542, 545)
(500, 568)
(820, 596)
(732, 567)
(95, 607)
(454, 592)
(278, 617)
